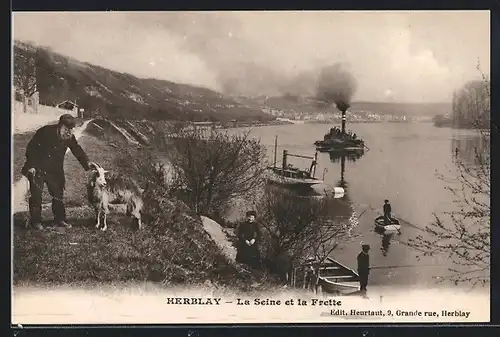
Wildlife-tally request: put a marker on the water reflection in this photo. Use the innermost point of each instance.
(472, 149)
(353, 156)
(342, 208)
(341, 155)
(386, 243)
(386, 240)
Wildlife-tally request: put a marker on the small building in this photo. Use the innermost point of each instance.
(95, 113)
(69, 105)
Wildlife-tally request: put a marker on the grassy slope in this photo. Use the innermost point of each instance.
(180, 252)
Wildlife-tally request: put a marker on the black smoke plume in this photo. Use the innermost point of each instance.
(336, 85)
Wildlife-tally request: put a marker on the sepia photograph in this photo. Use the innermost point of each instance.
(250, 167)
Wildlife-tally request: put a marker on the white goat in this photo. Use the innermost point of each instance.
(114, 189)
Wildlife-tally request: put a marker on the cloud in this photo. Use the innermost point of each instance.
(419, 75)
(113, 41)
(255, 53)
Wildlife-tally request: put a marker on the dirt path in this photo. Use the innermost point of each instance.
(220, 238)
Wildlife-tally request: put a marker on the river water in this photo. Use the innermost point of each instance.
(401, 165)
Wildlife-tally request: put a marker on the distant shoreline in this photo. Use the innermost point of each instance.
(259, 124)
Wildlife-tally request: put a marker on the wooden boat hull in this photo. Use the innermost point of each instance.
(288, 181)
(394, 226)
(348, 149)
(335, 278)
(338, 144)
(291, 182)
(338, 288)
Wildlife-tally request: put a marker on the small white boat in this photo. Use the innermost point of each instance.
(381, 225)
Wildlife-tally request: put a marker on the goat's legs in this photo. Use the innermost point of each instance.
(134, 213)
(105, 216)
(98, 215)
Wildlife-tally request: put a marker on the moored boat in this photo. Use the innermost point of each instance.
(289, 175)
(335, 278)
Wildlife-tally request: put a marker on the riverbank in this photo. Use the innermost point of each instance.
(237, 125)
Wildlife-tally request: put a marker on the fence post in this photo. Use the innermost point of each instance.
(304, 278)
(35, 99)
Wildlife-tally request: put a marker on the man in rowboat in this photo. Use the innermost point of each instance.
(363, 267)
(387, 212)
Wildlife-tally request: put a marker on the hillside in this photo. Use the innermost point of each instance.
(118, 95)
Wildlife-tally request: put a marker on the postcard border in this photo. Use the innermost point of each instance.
(348, 329)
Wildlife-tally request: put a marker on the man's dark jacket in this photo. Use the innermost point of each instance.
(45, 152)
(387, 209)
(363, 264)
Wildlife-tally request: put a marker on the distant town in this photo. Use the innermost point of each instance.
(353, 117)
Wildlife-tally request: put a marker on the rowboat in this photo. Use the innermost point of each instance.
(335, 278)
(381, 225)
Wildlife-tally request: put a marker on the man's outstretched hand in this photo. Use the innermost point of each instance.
(91, 165)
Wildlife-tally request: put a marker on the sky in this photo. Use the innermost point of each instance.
(408, 56)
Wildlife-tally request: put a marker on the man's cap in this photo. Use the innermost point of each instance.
(249, 213)
(67, 120)
(386, 200)
(365, 247)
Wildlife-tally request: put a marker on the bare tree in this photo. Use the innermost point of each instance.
(215, 167)
(298, 228)
(463, 235)
(471, 104)
(25, 74)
